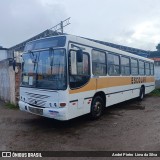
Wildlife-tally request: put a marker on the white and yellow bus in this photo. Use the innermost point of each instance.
(64, 77)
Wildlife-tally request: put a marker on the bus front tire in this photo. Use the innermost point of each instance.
(97, 107)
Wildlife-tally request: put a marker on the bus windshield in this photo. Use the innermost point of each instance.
(44, 69)
(45, 43)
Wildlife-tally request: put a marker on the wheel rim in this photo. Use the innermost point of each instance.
(97, 108)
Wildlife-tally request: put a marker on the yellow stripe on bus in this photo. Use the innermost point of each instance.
(110, 82)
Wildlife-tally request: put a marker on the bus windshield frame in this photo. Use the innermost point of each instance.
(45, 69)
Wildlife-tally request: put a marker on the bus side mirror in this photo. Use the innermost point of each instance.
(14, 65)
(79, 55)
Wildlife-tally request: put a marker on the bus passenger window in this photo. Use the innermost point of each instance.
(125, 66)
(141, 68)
(152, 68)
(98, 63)
(134, 66)
(147, 68)
(113, 64)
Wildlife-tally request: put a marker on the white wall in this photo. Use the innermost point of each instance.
(157, 72)
(3, 54)
(7, 82)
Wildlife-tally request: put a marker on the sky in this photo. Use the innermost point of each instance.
(133, 23)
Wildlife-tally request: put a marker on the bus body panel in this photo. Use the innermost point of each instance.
(46, 100)
(78, 100)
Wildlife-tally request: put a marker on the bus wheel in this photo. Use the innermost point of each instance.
(141, 94)
(97, 107)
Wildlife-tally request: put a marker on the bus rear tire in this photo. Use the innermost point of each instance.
(142, 93)
(97, 108)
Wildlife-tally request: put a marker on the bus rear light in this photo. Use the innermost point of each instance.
(62, 104)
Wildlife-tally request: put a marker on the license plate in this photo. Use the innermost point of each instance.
(36, 110)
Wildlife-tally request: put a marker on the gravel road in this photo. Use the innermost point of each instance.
(129, 126)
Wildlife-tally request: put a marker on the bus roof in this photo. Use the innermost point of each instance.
(96, 45)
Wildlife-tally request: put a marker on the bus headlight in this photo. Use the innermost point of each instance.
(53, 105)
(23, 99)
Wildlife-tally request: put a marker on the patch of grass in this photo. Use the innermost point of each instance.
(155, 92)
(11, 106)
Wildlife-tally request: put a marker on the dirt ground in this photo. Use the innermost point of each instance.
(129, 126)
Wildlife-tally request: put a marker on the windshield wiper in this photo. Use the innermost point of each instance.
(34, 58)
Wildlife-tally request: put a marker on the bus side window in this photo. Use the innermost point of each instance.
(141, 67)
(113, 64)
(125, 66)
(134, 66)
(152, 68)
(147, 68)
(98, 63)
(79, 71)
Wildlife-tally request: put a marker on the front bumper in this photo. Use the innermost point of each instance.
(59, 113)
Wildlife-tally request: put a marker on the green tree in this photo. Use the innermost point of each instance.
(158, 47)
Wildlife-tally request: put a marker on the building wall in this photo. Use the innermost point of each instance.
(157, 76)
(7, 82)
(17, 83)
(3, 55)
(157, 72)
